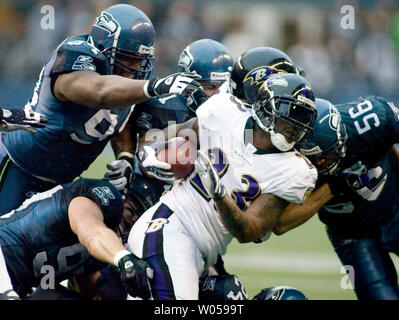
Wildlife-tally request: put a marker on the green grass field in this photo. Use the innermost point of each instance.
(302, 258)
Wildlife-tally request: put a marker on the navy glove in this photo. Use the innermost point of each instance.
(21, 119)
(134, 276)
(197, 98)
(350, 179)
(121, 172)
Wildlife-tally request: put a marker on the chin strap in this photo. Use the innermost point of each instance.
(280, 142)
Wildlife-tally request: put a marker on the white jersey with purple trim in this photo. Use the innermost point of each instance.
(245, 172)
(224, 88)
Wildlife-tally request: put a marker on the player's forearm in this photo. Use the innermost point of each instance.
(87, 222)
(116, 92)
(125, 141)
(103, 244)
(248, 226)
(99, 91)
(294, 215)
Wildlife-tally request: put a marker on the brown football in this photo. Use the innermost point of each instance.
(181, 155)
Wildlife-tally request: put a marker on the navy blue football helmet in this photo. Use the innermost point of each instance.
(253, 67)
(123, 32)
(208, 58)
(280, 293)
(287, 98)
(326, 146)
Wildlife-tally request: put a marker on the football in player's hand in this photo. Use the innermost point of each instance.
(181, 155)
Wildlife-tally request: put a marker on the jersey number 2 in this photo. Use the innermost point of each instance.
(221, 166)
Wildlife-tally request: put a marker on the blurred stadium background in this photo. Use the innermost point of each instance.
(341, 64)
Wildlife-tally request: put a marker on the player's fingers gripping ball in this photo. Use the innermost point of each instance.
(181, 155)
(168, 161)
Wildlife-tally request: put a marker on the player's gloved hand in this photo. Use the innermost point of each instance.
(21, 119)
(197, 98)
(183, 83)
(154, 168)
(350, 179)
(121, 171)
(209, 177)
(135, 274)
(356, 177)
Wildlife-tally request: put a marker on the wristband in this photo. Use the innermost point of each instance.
(119, 255)
(126, 156)
(148, 88)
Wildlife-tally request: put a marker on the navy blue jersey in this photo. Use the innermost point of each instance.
(157, 112)
(38, 233)
(75, 134)
(372, 125)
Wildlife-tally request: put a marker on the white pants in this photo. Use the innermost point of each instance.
(6, 289)
(159, 237)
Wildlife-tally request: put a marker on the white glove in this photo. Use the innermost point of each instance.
(209, 177)
(153, 167)
(180, 83)
(120, 174)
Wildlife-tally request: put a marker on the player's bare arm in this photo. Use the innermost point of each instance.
(87, 222)
(99, 91)
(121, 169)
(259, 219)
(125, 141)
(294, 215)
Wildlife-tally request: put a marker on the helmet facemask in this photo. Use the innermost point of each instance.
(118, 56)
(275, 112)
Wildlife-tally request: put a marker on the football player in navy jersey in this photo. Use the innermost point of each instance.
(66, 231)
(86, 90)
(352, 147)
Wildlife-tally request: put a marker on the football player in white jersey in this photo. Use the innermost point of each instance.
(245, 175)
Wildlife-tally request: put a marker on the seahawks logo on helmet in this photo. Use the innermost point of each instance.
(186, 60)
(275, 295)
(277, 81)
(107, 22)
(334, 118)
(258, 75)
